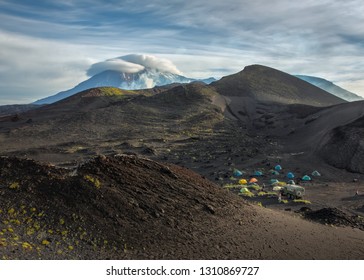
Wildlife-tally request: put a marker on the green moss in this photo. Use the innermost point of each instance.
(112, 91)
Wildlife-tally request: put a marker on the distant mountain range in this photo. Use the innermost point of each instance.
(330, 87)
(148, 78)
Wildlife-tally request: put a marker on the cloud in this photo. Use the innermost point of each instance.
(32, 68)
(115, 64)
(133, 63)
(52, 44)
(150, 61)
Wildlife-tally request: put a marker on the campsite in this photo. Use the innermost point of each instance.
(186, 171)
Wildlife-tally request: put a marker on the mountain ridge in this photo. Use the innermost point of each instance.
(148, 78)
(330, 87)
(267, 84)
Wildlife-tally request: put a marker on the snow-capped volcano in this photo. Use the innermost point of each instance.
(127, 72)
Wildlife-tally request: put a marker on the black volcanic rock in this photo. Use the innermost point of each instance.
(345, 147)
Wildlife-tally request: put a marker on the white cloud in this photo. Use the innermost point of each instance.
(32, 68)
(150, 61)
(133, 63)
(115, 64)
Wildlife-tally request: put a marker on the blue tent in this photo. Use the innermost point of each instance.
(258, 173)
(306, 178)
(274, 172)
(290, 175)
(237, 173)
(274, 181)
(278, 167)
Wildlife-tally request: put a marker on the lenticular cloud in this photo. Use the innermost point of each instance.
(133, 63)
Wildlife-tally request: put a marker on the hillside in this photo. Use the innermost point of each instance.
(266, 84)
(331, 88)
(6, 110)
(344, 147)
(126, 207)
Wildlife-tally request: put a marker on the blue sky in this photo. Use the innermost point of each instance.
(48, 46)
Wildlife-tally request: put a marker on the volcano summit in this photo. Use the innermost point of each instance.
(132, 71)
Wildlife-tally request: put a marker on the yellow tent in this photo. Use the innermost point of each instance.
(243, 182)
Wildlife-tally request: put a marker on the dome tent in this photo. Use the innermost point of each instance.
(274, 181)
(243, 182)
(316, 173)
(258, 173)
(253, 180)
(274, 172)
(278, 167)
(290, 175)
(237, 173)
(306, 178)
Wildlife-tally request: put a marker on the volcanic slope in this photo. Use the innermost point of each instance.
(265, 84)
(263, 98)
(158, 121)
(126, 207)
(343, 146)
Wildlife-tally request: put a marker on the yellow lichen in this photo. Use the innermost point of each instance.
(27, 246)
(45, 242)
(36, 225)
(30, 231)
(95, 181)
(14, 186)
(3, 242)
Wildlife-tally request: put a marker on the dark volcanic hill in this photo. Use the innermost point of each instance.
(266, 84)
(126, 207)
(6, 110)
(344, 146)
(330, 87)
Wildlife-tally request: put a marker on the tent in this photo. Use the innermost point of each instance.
(306, 178)
(274, 181)
(290, 175)
(274, 172)
(243, 182)
(253, 180)
(277, 188)
(278, 167)
(237, 173)
(316, 173)
(291, 182)
(258, 173)
(244, 190)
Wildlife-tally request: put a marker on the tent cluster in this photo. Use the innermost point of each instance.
(273, 182)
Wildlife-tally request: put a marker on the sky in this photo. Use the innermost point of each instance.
(50, 46)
